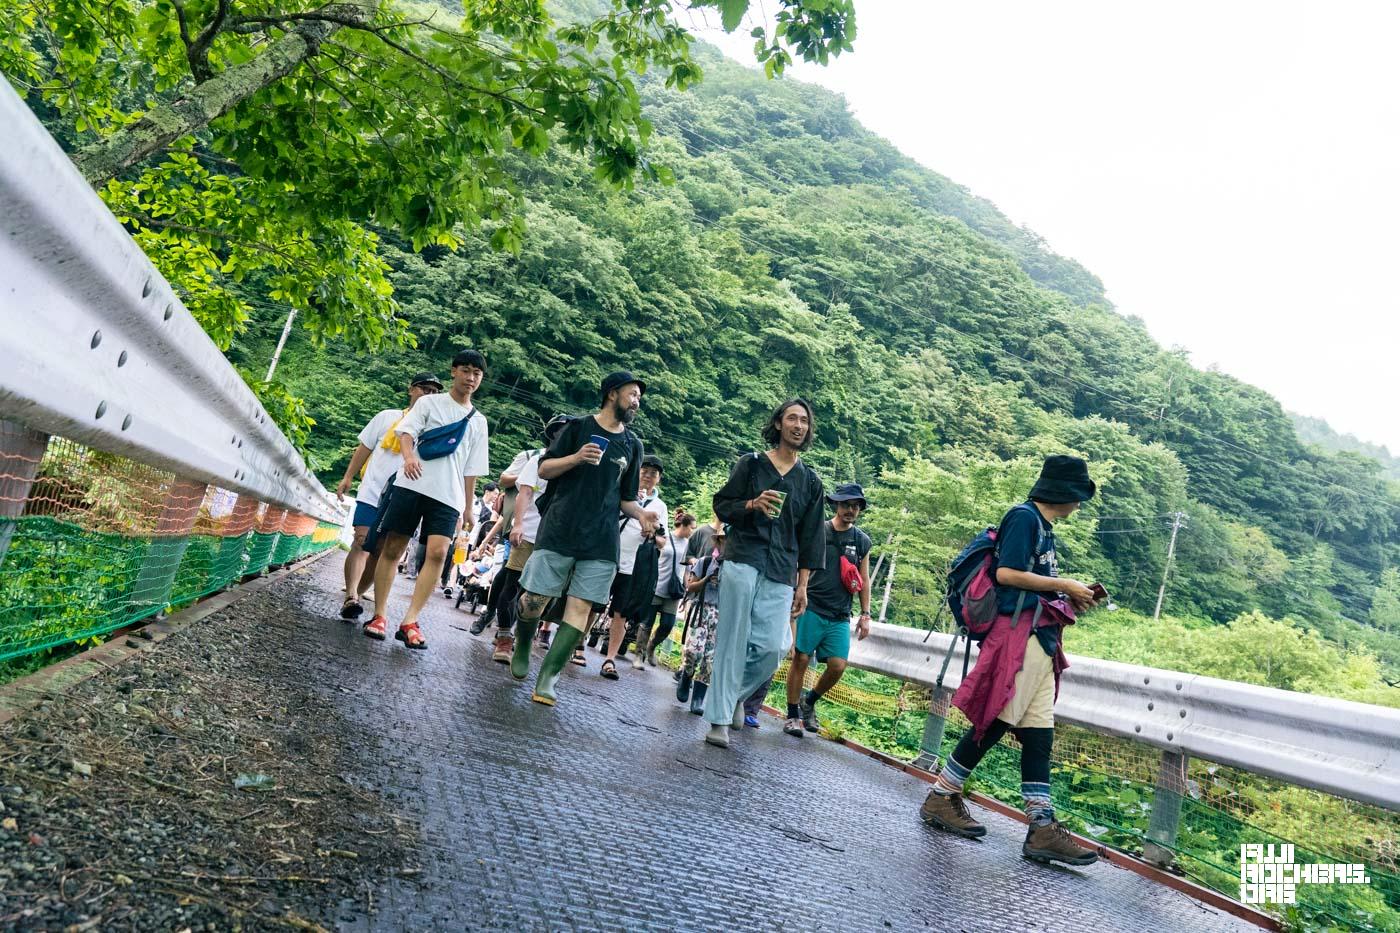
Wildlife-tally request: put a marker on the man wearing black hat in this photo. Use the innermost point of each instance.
(1016, 678)
(376, 459)
(593, 469)
(824, 629)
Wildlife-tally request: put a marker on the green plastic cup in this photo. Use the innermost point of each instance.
(782, 498)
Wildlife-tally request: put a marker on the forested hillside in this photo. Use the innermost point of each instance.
(1318, 431)
(946, 350)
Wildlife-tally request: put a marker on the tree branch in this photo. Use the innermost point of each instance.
(197, 52)
(215, 97)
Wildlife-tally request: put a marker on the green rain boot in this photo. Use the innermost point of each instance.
(565, 640)
(520, 656)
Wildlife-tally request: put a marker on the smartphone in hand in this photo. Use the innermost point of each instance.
(1099, 591)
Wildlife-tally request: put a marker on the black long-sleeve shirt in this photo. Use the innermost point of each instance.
(776, 547)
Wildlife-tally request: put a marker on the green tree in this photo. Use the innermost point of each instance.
(1385, 604)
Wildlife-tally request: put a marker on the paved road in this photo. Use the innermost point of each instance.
(608, 812)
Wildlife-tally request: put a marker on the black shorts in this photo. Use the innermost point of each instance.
(622, 582)
(407, 508)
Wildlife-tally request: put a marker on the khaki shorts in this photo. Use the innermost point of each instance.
(1032, 706)
(664, 604)
(519, 554)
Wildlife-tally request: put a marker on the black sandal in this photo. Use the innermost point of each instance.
(609, 669)
(351, 610)
(579, 657)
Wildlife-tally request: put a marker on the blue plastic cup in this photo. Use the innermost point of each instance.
(601, 441)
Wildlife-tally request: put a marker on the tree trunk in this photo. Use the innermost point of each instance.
(212, 99)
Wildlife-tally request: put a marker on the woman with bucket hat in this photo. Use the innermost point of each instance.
(1016, 678)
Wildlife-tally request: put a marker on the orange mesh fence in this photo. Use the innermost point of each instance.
(91, 541)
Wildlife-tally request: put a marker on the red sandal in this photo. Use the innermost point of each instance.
(374, 628)
(411, 636)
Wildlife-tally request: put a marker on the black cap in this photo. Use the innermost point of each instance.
(847, 492)
(1063, 479)
(652, 460)
(619, 379)
(426, 378)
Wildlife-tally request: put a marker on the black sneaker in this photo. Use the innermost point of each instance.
(480, 624)
(810, 722)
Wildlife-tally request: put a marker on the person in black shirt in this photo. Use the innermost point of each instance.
(592, 469)
(824, 630)
(772, 503)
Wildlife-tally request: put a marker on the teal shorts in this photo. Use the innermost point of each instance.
(823, 638)
(549, 573)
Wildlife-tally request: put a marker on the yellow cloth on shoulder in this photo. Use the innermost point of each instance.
(390, 442)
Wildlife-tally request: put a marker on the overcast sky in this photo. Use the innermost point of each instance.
(1231, 171)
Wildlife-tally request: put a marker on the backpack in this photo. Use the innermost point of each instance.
(442, 441)
(972, 587)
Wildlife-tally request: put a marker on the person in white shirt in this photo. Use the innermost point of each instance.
(670, 588)
(629, 539)
(434, 493)
(375, 460)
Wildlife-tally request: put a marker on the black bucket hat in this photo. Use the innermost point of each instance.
(848, 492)
(1063, 479)
(619, 379)
(652, 460)
(426, 378)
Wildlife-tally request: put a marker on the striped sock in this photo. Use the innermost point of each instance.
(950, 779)
(1039, 808)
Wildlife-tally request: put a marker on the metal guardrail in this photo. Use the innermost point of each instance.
(96, 347)
(1347, 749)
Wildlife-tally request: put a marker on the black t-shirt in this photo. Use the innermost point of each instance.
(1027, 542)
(827, 596)
(580, 519)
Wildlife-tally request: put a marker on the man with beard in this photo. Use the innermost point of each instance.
(772, 503)
(593, 468)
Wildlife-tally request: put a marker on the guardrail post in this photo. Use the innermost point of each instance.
(1159, 846)
(933, 729)
(21, 450)
(172, 536)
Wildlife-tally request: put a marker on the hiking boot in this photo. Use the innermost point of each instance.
(1051, 842)
(697, 698)
(480, 624)
(505, 647)
(792, 727)
(949, 811)
(810, 722)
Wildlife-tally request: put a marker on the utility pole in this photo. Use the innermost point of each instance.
(282, 342)
(1178, 518)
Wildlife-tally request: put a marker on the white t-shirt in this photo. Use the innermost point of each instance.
(529, 475)
(441, 479)
(670, 561)
(631, 537)
(382, 463)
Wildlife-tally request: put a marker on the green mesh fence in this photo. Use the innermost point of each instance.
(1105, 788)
(90, 542)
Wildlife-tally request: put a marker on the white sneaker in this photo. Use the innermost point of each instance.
(448, 592)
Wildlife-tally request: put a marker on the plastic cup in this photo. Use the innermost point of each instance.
(600, 440)
(777, 509)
